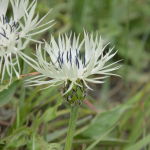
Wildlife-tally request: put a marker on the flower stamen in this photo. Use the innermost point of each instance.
(67, 57)
(77, 62)
(70, 57)
(80, 54)
(62, 58)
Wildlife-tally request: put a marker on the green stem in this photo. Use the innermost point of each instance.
(72, 125)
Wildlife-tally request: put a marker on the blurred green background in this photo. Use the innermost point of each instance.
(31, 119)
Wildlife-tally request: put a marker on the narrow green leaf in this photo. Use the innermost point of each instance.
(104, 121)
(5, 95)
(49, 114)
(17, 138)
(54, 146)
(99, 139)
(139, 145)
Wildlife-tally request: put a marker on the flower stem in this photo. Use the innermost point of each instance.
(72, 125)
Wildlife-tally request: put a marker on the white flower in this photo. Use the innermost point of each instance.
(68, 62)
(22, 24)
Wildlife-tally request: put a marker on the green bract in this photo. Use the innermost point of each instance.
(76, 94)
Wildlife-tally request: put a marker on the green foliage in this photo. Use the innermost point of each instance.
(54, 146)
(98, 140)
(5, 95)
(104, 121)
(16, 139)
(39, 116)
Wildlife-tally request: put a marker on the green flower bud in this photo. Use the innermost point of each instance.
(77, 94)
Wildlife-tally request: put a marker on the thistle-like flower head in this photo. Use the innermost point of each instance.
(72, 63)
(21, 24)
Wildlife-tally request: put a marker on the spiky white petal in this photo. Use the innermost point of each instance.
(3, 7)
(68, 62)
(19, 8)
(13, 30)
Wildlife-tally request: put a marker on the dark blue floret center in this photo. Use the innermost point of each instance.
(13, 27)
(69, 56)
